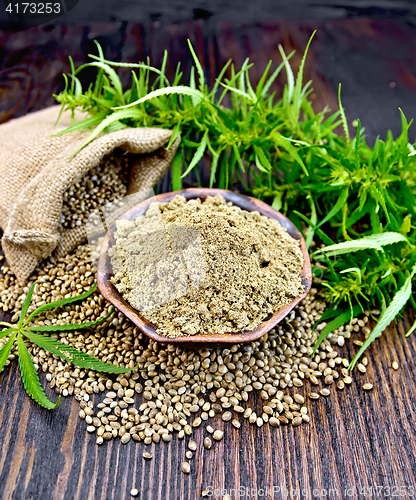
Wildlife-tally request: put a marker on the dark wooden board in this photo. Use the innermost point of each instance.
(355, 439)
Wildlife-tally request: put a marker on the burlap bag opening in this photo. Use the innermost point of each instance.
(36, 170)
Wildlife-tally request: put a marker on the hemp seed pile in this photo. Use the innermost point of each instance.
(105, 183)
(175, 389)
(205, 267)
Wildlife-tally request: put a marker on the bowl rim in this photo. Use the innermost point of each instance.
(110, 293)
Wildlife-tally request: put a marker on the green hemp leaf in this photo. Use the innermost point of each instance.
(28, 372)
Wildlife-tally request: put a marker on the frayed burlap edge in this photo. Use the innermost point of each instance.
(37, 169)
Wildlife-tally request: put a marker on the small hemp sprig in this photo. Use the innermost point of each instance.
(28, 372)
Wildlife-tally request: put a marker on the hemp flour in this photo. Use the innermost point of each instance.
(205, 267)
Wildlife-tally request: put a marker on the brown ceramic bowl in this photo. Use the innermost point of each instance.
(110, 292)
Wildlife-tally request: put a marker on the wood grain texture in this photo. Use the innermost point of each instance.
(355, 439)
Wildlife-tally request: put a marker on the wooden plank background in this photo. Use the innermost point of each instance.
(355, 439)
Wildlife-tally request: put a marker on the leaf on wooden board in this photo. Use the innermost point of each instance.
(400, 299)
(60, 303)
(30, 377)
(72, 355)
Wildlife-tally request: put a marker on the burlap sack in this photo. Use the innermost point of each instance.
(35, 171)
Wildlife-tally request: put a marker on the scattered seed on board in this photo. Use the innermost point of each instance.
(218, 435)
(192, 445)
(395, 365)
(147, 455)
(299, 398)
(197, 422)
(134, 492)
(207, 443)
(227, 416)
(274, 422)
(189, 454)
(236, 423)
(367, 387)
(325, 392)
(297, 421)
(205, 493)
(218, 391)
(186, 468)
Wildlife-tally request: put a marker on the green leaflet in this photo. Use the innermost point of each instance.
(177, 173)
(297, 93)
(30, 377)
(329, 313)
(71, 327)
(355, 270)
(277, 201)
(73, 355)
(199, 153)
(260, 85)
(118, 115)
(373, 242)
(260, 165)
(198, 67)
(223, 177)
(5, 351)
(343, 117)
(115, 80)
(129, 65)
(6, 332)
(176, 132)
(289, 73)
(336, 208)
(114, 126)
(214, 165)
(406, 225)
(283, 142)
(92, 121)
(325, 239)
(218, 80)
(400, 299)
(340, 320)
(239, 92)
(57, 303)
(238, 157)
(26, 305)
(265, 90)
(180, 89)
(262, 159)
(358, 144)
(311, 229)
(387, 238)
(412, 329)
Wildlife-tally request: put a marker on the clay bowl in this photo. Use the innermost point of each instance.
(245, 202)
